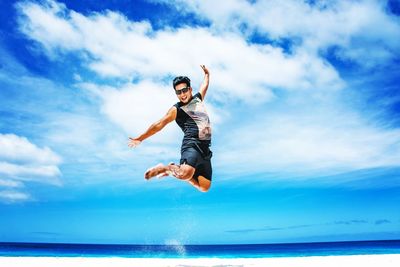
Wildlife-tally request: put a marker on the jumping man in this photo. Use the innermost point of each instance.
(190, 114)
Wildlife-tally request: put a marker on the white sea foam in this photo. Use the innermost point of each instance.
(391, 260)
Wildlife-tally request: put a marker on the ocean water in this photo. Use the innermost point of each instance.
(201, 251)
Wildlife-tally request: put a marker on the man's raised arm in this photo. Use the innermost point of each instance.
(204, 85)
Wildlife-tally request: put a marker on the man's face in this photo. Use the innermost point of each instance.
(183, 96)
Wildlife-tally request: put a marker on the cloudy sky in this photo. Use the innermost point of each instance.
(304, 102)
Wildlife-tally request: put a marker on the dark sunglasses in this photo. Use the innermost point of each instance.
(183, 90)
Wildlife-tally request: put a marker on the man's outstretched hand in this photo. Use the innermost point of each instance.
(205, 69)
(133, 142)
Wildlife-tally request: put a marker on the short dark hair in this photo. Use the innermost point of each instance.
(181, 79)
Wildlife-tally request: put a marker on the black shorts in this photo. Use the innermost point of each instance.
(196, 159)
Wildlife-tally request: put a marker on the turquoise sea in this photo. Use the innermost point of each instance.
(201, 251)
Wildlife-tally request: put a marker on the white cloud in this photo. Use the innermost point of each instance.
(120, 48)
(29, 170)
(19, 149)
(320, 143)
(21, 160)
(10, 196)
(362, 30)
(87, 140)
(56, 27)
(10, 183)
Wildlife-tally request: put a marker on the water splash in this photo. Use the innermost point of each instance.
(177, 246)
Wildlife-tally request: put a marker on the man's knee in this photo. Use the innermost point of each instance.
(204, 188)
(204, 184)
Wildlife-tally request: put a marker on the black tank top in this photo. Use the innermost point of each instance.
(195, 124)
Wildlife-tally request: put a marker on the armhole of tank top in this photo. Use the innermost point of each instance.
(199, 96)
(177, 110)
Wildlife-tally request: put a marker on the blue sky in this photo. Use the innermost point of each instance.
(304, 102)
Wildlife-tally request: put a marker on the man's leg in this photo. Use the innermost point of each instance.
(158, 170)
(183, 172)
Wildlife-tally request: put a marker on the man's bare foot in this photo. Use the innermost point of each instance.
(155, 171)
(167, 171)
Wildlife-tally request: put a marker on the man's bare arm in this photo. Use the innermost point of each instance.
(154, 128)
(206, 81)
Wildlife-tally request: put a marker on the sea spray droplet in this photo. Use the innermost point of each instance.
(176, 246)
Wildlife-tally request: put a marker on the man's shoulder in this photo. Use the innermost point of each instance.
(177, 105)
